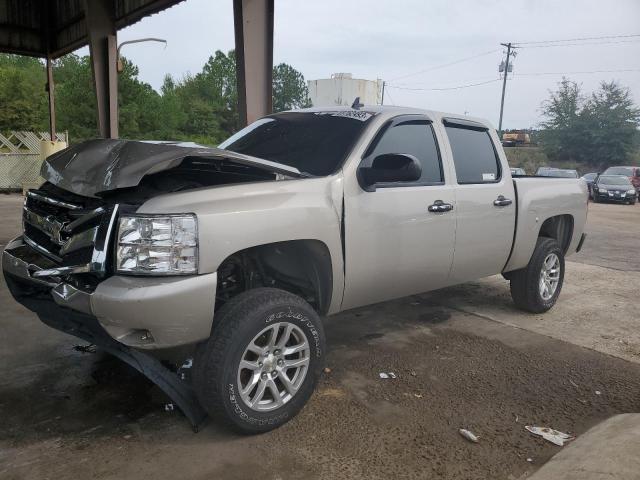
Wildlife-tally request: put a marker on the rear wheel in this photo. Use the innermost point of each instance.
(262, 362)
(536, 287)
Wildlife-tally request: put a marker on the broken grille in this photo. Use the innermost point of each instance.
(69, 229)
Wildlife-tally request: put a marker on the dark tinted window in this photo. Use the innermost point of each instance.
(628, 171)
(414, 138)
(473, 155)
(312, 142)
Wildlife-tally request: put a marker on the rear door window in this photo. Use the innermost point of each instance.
(474, 155)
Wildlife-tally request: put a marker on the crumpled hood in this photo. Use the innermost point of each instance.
(99, 165)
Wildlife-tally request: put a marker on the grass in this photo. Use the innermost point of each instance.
(530, 158)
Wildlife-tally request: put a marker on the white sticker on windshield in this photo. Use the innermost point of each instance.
(355, 114)
(488, 177)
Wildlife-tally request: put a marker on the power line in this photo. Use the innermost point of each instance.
(578, 44)
(605, 37)
(436, 67)
(443, 88)
(535, 74)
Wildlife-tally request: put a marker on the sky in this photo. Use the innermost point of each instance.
(393, 40)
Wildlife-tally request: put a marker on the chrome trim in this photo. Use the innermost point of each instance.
(53, 201)
(41, 249)
(100, 252)
(67, 295)
(47, 225)
(68, 228)
(19, 268)
(80, 240)
(59, 271)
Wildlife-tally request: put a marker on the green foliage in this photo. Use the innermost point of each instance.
(23, 100)
(200, 108)
(599, 130)
(289, 89)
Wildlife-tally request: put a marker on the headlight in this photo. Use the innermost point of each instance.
(632, 191)
(603, 190)
(158, 245)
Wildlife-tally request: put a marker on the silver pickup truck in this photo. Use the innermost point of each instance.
(230, 256)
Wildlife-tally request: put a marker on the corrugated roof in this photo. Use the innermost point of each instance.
(55, 27)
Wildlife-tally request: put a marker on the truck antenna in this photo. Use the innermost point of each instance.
(356, 104)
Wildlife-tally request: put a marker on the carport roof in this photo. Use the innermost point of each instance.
(53, 28)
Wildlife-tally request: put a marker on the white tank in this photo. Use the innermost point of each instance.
(342, 89)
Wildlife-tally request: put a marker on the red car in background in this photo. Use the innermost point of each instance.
(632, 172)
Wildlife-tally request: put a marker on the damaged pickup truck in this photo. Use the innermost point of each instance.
(159, 252)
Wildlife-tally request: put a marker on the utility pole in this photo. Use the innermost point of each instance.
(504, 83)
(383, 85)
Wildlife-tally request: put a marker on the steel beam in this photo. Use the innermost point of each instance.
(101, 30)
(253, 21)
(52, 103)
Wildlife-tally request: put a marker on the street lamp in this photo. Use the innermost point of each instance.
(120, 66)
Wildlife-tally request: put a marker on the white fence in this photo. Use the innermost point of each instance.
(20, 158)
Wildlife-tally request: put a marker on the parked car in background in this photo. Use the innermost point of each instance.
(614, 188)
(633, 173)
(556, 172)
(518, 171)
(589, 178)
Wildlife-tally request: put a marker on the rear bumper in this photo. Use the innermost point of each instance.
(141, 312)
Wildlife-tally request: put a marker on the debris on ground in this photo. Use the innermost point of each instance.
(387, 375)
(327, 370)
(188, 363)
(417, 395)
(517, 418)
(598, 392)
(413, 373)
(529, 459)
(573, 383)
(551, 435)
(415, 303)
(468, 435)
(91, 348)
(168, 407)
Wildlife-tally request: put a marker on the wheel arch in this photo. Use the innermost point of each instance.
(559, 227)
(302, 267)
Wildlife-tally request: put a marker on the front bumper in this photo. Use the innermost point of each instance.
(141, 312)
(615, 198)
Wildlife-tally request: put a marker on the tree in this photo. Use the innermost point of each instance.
(611, 120)
(23, 100)
(600, 130)
(563, 131)
(289, 89)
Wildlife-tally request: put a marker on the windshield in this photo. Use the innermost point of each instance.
(627, 171)
(313, 142)
(589, 176)
(614, 180)
(559, 173)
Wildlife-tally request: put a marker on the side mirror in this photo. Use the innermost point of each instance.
(390, 168)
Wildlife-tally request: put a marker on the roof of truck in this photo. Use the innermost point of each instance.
(392, 111)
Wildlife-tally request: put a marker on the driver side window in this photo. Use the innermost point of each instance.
(414, 138)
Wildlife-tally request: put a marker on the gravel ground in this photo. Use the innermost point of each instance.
(463, 356)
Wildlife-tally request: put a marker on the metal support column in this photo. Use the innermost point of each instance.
(253, 21)
(103, 49)
(52, 103)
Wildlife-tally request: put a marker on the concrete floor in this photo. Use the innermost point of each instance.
(463, 355)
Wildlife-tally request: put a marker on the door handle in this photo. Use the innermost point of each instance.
(440, 207)
(502, 202)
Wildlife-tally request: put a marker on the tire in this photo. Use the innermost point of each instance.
(595, 199)
(253, 317)
(526, 289)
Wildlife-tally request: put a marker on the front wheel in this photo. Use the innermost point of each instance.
(536, 287)
(262, 362)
